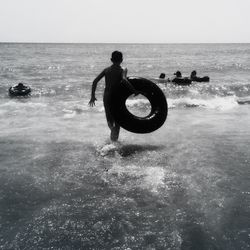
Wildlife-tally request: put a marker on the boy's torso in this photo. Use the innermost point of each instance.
(113, 75)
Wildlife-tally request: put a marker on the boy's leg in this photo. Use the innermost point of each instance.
(115, 132)
(114, 127)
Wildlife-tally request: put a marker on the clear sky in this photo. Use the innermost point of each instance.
(133, 21)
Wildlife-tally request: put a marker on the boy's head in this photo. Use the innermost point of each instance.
(193, 73)
(116, 57)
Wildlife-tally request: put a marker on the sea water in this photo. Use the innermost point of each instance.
(64, 185)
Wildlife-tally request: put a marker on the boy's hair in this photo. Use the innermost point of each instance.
(116, 56)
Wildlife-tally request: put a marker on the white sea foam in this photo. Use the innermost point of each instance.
(106, 149)
(16, 104)
(221, 103)
(70, 114)
(153, 178)
(149, 178)
(76, 107)
(136, 102)
(101, 109)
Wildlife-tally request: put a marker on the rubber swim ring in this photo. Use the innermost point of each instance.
(14, 91)
(181, 81)
(200, 79)
(130, 122)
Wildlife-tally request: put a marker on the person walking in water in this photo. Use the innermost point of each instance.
(113, 75)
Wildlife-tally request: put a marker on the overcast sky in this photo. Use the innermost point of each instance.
(133, 21)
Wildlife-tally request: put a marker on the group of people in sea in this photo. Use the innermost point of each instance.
(178, 79)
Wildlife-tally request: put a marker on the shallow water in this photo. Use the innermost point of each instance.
(63, 185)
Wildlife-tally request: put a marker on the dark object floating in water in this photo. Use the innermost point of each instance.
(182, 81)
(200, 79)
(162, 76)
(19, 90)
(179, 80)
(195, 78)
(130, 122)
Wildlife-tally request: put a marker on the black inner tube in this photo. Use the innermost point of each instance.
(200, 79)
(159, 107)
(181, 81)
(14, 91)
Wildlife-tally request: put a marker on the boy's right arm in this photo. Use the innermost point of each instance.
(97, 79)
(127, 83)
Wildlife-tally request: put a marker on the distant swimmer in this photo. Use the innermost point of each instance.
(162, 76)
(113, 74)
(195, 78)
(193, 75)
(179, 80)
(178, 74)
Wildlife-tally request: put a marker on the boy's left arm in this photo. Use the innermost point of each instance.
(97, 79)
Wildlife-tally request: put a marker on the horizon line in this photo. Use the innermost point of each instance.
(125, 42)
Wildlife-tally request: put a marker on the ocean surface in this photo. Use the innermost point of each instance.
(64, 185)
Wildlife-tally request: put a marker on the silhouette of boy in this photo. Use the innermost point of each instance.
(113, 75)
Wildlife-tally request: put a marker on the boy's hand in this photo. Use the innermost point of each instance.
(125, 72)
(136, 92)
(92, 101)
(126, 81)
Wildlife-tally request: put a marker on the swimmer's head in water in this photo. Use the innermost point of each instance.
(20, 84)
(177, 73)
(116, 57)
(162, 76)
(193, 73)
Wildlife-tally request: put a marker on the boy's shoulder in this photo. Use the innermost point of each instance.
(107, 68)
(113, 68)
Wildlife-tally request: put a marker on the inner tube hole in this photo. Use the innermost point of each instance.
(138, 105)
